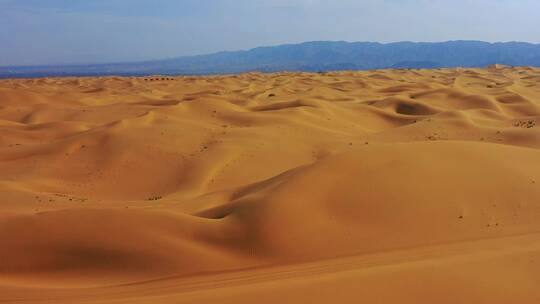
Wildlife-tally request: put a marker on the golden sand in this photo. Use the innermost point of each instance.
(391, 186)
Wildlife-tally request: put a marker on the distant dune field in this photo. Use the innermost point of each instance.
(389, 186)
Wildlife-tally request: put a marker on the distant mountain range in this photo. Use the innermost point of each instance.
(311, 57)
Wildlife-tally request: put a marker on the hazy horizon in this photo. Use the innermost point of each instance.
(261, 46)
(61, 32)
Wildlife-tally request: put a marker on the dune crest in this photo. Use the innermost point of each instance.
(306, 187)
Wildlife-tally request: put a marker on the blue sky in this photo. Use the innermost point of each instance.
(89, 31)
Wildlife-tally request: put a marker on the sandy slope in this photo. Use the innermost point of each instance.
(394, 186)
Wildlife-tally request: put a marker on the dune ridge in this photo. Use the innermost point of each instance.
(296, 186)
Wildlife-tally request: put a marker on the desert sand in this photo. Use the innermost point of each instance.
(390, 186)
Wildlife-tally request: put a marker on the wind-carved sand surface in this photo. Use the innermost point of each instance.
(393, 186)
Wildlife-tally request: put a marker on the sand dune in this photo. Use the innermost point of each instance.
(391, 186)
